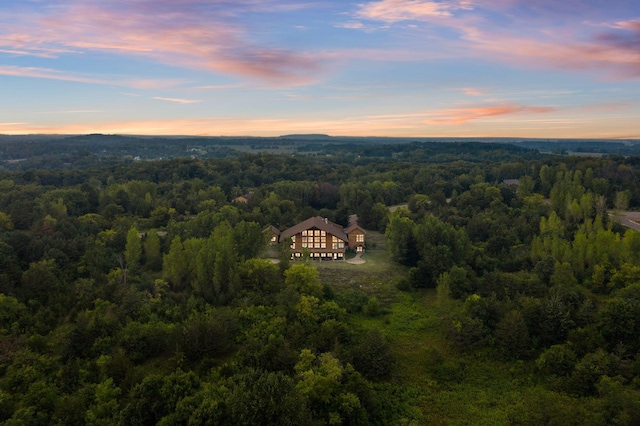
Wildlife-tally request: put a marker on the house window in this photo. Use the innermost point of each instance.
(323, 245)
(304, 233)
(360, 238)
(293, 242)
(273, 239)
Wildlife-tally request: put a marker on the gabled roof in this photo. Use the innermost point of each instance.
(319, 223)
(272, 229)
(353, 228)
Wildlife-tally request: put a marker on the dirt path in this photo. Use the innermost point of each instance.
(358, 260)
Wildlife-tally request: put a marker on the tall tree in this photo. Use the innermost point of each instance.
(133, 249)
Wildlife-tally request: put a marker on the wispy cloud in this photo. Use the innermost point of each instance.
(506, 120)
(352, 25)
(463, 115)
(407, 10)
(529, 37)
(471, 91)
(53, 74)
(177, 100)
(191, 34)
(619, 56)
(26, 53)
(76, 111)
(220, 87)
(13, 124)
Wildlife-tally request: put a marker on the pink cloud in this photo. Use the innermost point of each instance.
(518, 120)
(470, 91)
(633, 25)
(620, 57)
(177, 100)
(403, 10)
(351, 25)
(463, 115)
(191, 34)
(528, 37)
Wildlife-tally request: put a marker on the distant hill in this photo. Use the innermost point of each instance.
(307, 136)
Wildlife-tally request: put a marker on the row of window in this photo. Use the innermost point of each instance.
(321, 255)
(317, 242)
(315, 238)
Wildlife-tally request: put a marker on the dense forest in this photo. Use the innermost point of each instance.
(41, 152)
(498, 288)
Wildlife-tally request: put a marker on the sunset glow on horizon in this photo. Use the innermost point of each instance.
(406, 68)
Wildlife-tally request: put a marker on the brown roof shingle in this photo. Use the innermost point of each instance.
(316, 222)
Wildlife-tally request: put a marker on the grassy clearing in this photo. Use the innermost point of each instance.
(444, 386)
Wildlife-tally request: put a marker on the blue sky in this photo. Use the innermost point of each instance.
(459, 68)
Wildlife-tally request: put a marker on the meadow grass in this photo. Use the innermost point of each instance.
(443, 385)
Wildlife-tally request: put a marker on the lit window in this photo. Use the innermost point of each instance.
(323, 245)
(322, 233)
(360, 238)
(304, 233)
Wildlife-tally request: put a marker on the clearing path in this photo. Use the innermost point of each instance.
(357, 260)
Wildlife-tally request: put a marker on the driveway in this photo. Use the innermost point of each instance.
(628, 219)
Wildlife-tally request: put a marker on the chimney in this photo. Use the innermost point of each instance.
(326, 220)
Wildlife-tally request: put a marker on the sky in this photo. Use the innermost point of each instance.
(406, 68)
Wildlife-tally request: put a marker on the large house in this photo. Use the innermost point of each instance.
(324, 240)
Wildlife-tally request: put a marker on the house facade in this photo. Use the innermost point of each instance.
(321, 238)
